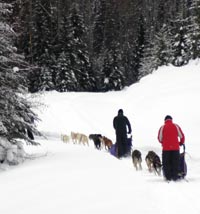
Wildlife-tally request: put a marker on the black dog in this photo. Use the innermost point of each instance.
(96, 139)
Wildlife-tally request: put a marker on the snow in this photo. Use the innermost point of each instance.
(77, 179)
(15, 69)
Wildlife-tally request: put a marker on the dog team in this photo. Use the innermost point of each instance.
(170, 136)
(152, 159)
(79, 138)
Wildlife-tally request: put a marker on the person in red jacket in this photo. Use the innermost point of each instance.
(171, 137)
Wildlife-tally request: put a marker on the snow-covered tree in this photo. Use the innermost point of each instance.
(76, 37)
(77, 56)
(113, 71)
(181, 41)
(134, 50)
(162, 42)
(65, 77)
(36, 42)
(194, 28)
(99, 49)
(180, 48)
(16, 116)
(99, 26)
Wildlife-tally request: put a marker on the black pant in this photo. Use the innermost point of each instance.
(170, 161)
(121, 145)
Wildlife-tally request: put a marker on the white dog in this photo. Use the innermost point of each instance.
(65, 138)
(79, 138)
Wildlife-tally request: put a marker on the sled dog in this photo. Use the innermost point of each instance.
(107, 142)
(137, 159)
(153, 162)
(96, 138)
(65, 138)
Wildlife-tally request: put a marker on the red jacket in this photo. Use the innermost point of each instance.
(170, 136)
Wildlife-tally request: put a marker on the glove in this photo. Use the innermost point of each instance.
(181, 143)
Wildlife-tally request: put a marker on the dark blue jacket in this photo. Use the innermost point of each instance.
(120, 124)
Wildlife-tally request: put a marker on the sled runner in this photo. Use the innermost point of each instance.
(182, 165)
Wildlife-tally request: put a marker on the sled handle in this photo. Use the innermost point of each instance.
(183, 147)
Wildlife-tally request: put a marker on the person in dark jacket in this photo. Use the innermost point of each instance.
(171, 137)
(120, 124)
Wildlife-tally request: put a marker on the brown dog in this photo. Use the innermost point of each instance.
(137, 159)
(107, 142)
(153, 162)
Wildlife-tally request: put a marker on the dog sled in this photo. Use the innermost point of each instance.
(182, 170)
(182, 164)
(127, 148)
(113, 150)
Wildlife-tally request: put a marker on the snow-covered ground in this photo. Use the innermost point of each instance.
(77, 179)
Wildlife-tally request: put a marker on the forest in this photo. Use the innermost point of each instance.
(102, 45)
(86, 45)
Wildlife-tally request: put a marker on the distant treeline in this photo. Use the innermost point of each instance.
(102, 45)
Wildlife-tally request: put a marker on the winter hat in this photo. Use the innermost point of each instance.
(120, 111)
(168, 117)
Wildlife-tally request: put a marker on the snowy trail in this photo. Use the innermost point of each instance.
(81, 179)
(78, 179)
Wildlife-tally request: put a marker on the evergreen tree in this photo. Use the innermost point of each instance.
(63, 39)
(180, 48)
(138, 54)
(132, 39)
(194, 28)
(16, 116)
(65, 77)
(99, 50)
(181, 43)
(113, 71)
(113, 68)
(148, 59)
(42, 48)
(99, 26)
(136, 50)
(79, 66)
(163, 46)
(36, 42)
